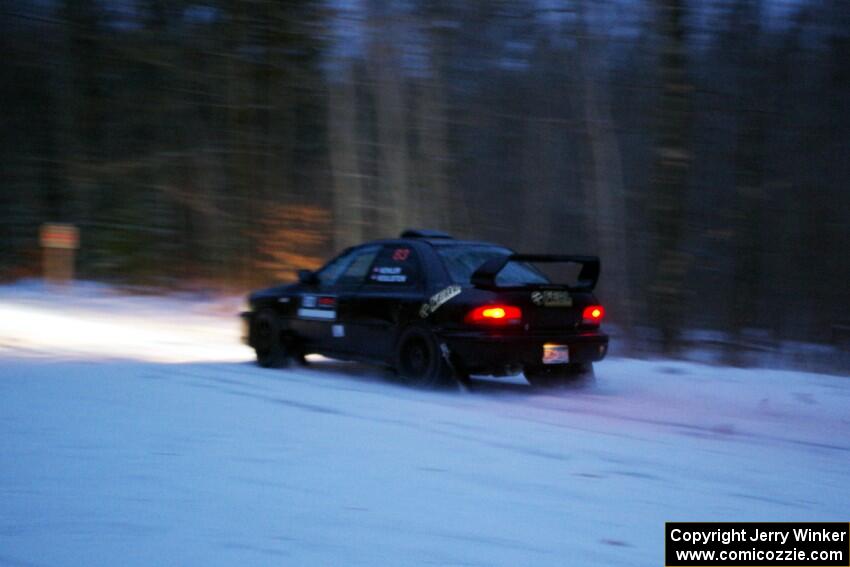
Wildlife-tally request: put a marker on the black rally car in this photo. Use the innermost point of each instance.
(435, 308)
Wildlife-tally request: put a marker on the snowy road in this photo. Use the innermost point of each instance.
(134, 431)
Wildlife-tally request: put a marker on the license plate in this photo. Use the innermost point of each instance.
(552, 298)
(556, 354)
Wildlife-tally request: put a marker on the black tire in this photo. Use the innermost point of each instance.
(419, 360)
(560, 375)
(267, 340)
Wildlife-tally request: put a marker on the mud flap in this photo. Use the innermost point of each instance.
(447, 356)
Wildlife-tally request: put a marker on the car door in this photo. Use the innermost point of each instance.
(392, 292)
(324, 307)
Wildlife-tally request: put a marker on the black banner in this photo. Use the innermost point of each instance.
(757, 544)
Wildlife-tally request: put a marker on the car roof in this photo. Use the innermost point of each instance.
(465, 243)
(436, 242)
(434, 238)
(432, 264)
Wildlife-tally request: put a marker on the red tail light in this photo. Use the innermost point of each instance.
(495, 315)
(593, 314)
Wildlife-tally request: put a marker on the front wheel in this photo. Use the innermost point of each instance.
(419, 360)
(559, 375)
(267, 340)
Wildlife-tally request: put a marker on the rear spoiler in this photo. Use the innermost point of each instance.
(485, 276)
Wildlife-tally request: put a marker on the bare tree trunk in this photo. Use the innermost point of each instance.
(345, 168)
(236, 247)
(539, 163)
(744, 212)
(393, 181)
(672, 166)
(83, 123)
(608, 215)
(538, 194)
(434, 199)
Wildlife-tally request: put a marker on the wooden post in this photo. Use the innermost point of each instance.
(59, 243)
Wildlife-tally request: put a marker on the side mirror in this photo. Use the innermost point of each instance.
(308, 277)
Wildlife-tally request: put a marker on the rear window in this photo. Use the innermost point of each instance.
(462, 261)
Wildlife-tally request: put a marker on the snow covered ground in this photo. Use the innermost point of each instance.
(135, 431)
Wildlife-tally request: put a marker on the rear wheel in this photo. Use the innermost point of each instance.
(419, 360)
(559, 375)
(267, 340)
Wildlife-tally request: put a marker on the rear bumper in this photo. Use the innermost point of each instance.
(500, 355)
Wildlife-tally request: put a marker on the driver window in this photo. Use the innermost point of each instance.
(332, 270)
(355, 271)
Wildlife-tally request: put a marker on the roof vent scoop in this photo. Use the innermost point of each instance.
(423, 233)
